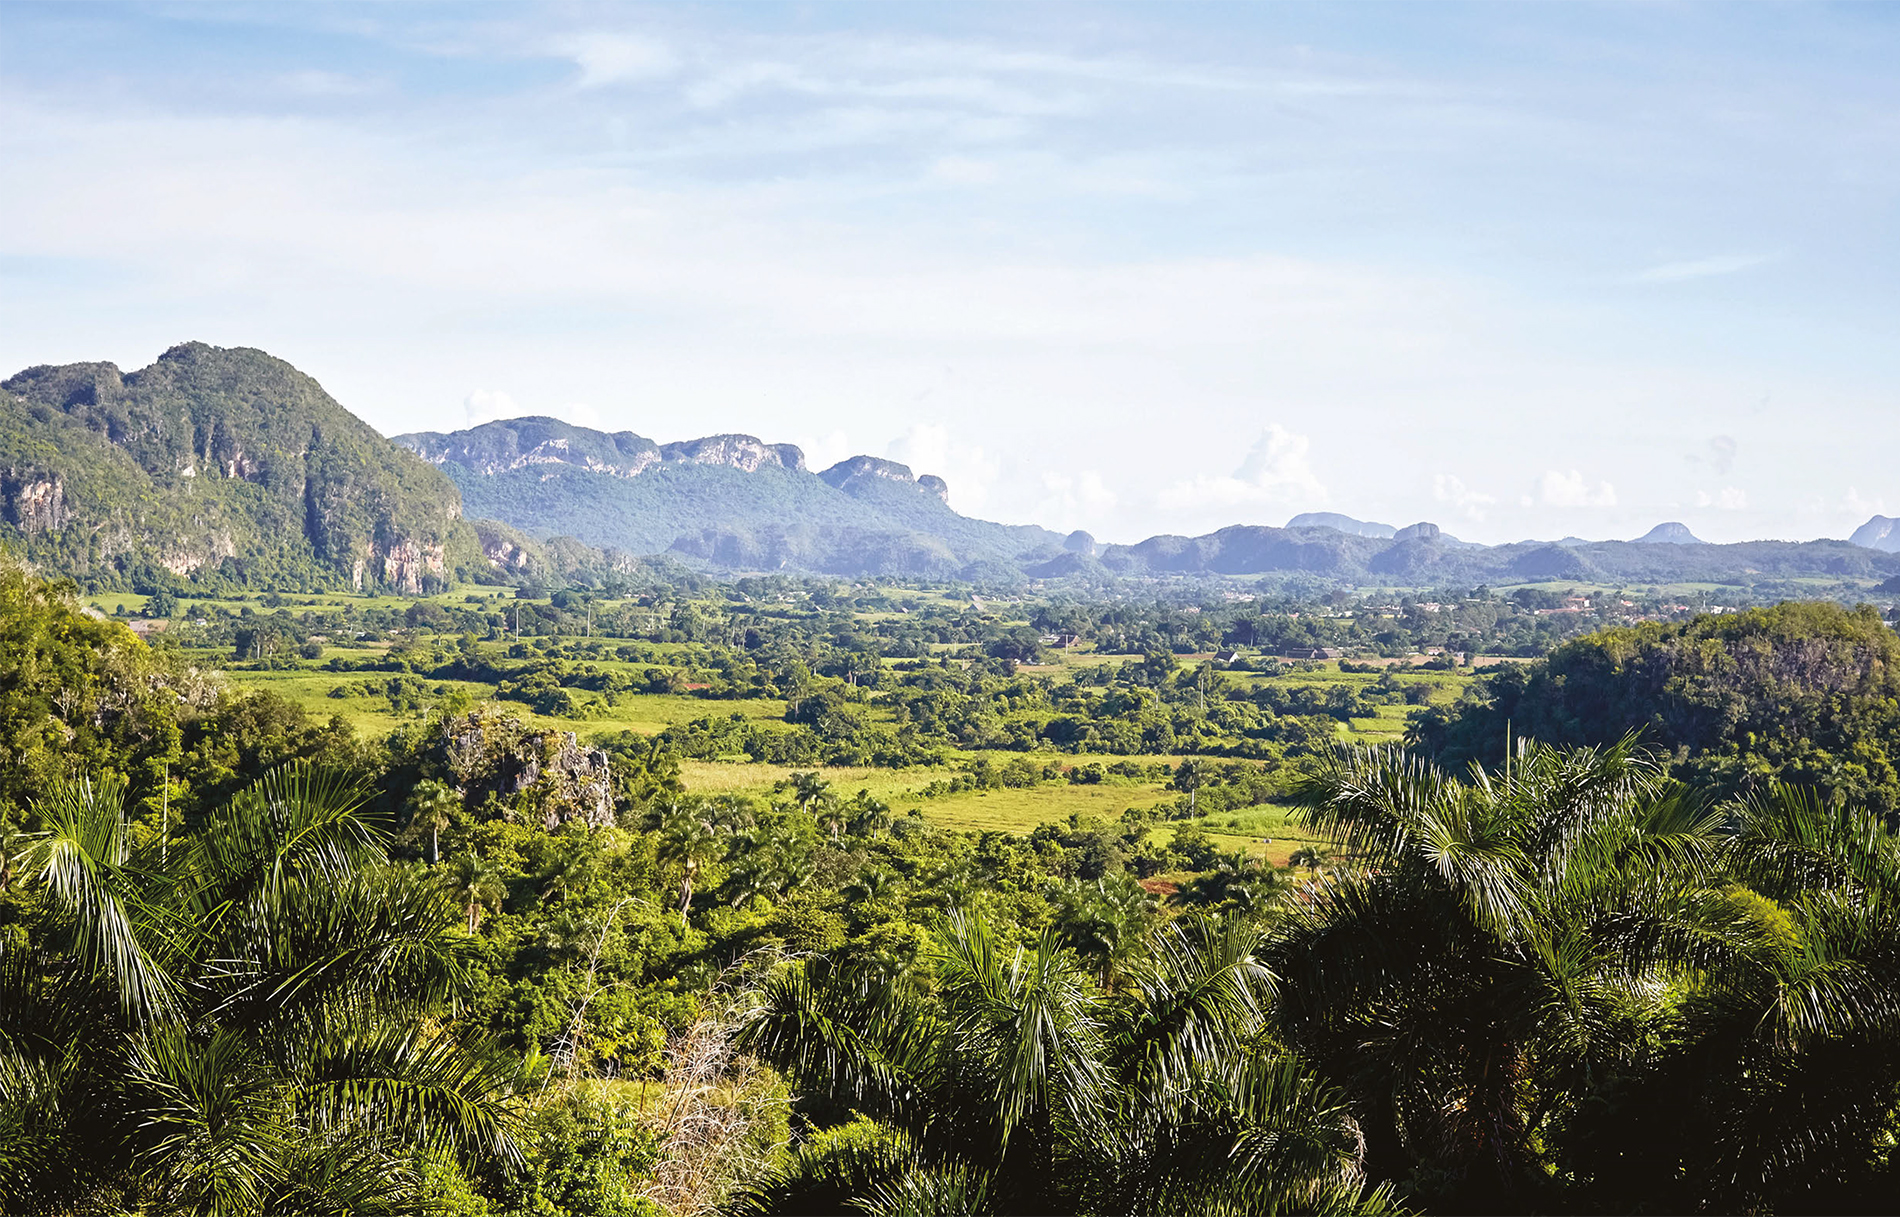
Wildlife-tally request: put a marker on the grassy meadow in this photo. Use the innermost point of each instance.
(1264, 831)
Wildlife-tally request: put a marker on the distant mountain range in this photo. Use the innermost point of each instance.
(729, 500)
(228, 466)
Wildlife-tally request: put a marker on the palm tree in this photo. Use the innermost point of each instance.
(1773, 1084)
(1497, 949)
(687, 842)
(1015, 1085)
(250, 1022)
(868, 816)
(431, 806)
(808, 788)
(477, 886)
(871, 884)
(1189, 776)
(1105, 920)
(1239, 883)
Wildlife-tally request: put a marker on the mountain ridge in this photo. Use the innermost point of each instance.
(729, 500)
(230, 466)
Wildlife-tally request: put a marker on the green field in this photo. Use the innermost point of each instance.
(1263, 832)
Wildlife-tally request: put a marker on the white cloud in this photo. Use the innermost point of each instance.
(580, 414)
(1729, 498)
(1856, 504)
(1072, 501)
(1448, 488)
(1275, 472)
(970, 471)
(487, 405)
(613, 58)
(824, 451)
(1559, 489)
(1701, 268)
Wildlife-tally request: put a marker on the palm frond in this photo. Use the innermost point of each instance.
(410, 1084)
(82, 863)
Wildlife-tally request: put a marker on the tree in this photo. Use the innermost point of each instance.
(808, 788)
(477, 886)
(1105, 920)
(1494, 949)
(1770, 1083)
(1189, 776)
(1016, 1086)
(432, 804)
(254, 1023)
(686, 842)
(1799, 692)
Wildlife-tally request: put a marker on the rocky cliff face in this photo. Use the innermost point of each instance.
(1881, 533)
(210, 455)
(522, 443)
(742, 452)
(493, 758)
(855, 471)
(505, 550)
(405, 565)
(32, 500)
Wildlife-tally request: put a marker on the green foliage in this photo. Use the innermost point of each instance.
(228, 464)
(1807, 693)
(245, 1020)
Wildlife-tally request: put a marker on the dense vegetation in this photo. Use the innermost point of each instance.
(1800, 692)
(223, 463)
(510, 954)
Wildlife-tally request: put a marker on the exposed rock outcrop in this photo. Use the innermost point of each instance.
(407, 563)
(494, 758)
(1881, 533)
(32, 500)
(743, 452)
(504, 549)
(852, 472)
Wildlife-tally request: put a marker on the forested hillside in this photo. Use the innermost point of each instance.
(1798, 692)
(729, 500)
(220, 465)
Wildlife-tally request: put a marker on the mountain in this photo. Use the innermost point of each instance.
(219, 465)
(1881, 532)
(1345, 524)
(729, 500)
(1671, 533)
(228, 467)
(1421, 555)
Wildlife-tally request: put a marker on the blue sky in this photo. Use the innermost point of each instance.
(1523, 270)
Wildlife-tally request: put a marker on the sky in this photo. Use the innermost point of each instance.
(1523, 270)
